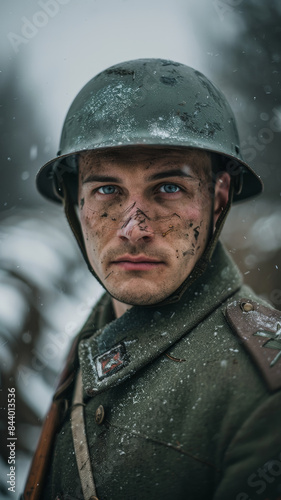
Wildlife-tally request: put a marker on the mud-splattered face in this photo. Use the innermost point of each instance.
(145, 217)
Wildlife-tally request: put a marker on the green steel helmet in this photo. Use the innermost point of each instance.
(148, 102)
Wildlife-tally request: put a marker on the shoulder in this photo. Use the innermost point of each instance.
(257, 327)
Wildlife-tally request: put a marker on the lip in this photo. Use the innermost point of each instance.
(137, 263)
(137, 258)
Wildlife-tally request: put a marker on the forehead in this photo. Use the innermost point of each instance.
(145, 158)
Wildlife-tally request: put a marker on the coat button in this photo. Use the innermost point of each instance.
(100, 414)
(247, 306)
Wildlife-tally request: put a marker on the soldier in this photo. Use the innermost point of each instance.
(172, 388)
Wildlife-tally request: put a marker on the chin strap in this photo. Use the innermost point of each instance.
(73, 221)
(75, 226)
(199, 268)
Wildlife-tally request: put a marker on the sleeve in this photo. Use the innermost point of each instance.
(251, 467)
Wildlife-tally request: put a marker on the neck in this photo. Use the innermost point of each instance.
(120, 308)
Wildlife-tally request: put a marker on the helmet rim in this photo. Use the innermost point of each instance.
(149, 102)
(46, 185)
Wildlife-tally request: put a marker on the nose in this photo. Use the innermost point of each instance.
(136, 227)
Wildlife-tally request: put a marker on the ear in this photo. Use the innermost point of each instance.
(221, 194)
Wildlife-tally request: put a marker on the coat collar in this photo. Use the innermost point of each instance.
(124, 346)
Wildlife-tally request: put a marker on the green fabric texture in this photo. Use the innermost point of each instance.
(199, 425)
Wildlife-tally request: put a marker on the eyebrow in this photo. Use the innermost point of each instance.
(169, 173)
(154, 177)
(101, 178)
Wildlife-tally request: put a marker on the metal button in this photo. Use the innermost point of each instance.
(247, 306)
(100, 414)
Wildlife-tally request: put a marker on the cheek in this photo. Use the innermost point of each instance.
(86, 223)
(96, 227)
(196, 215)
(194, 231)
(197, 206)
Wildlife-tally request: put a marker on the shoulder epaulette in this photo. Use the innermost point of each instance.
(259, 329)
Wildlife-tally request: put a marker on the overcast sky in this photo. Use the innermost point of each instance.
(58, 45)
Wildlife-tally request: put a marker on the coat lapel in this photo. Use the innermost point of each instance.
(129, 343)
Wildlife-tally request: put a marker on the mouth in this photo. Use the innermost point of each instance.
(137, 263)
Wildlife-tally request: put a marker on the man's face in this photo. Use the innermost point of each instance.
(145, 217)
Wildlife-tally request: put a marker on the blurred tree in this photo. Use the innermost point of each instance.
(244, 58)
(22, 143)
(247, 64)
(40, 275)
(46, 293)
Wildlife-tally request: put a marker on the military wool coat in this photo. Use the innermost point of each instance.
(181, 401)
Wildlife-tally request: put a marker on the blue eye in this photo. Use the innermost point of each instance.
(107, 189)
(169, 188)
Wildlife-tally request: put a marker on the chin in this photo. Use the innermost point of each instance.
(138, 299)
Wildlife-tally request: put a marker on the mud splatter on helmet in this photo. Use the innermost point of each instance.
(148, 102)
(151, 102)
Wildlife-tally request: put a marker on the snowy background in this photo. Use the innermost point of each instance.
(49, 49)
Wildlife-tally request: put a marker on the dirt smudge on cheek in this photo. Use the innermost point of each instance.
(188, 252)
(107, 276)
(196, 231)
(168, 231)
(82, 203)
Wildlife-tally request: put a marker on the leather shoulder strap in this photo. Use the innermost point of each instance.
(259, 329)
(39, 466)
(40, 463)
(80, 442)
